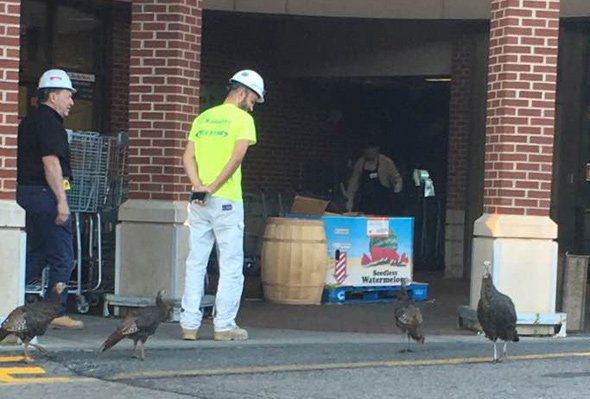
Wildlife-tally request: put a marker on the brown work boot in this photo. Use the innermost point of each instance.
(190, 335)
(67, 322)
(236, 334)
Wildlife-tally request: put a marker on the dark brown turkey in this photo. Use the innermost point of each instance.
(496, 315)
(139, 324)
(31, 320)
(408, 317)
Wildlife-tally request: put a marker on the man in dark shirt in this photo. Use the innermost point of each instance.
(43, 172)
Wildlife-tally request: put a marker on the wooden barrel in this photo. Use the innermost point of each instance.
(294, 261)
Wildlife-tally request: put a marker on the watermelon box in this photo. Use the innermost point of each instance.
(366, 251)
(363, 251)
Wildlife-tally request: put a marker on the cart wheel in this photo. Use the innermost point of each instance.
(31, 298)
(82, 305)
(94, 299)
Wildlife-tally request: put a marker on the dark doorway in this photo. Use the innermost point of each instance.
(408, 118)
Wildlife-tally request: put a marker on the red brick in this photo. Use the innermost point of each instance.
(534, 22)
(526, 203)
(528, 166)
(540, 176)
(545, 194)
(538, 211)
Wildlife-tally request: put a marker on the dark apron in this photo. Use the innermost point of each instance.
(373, 198)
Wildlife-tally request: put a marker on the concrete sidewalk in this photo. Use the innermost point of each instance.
(168, 336)
(269, 323)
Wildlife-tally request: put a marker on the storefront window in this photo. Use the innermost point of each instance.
(76, 37)
(34, 30)
(66, 34)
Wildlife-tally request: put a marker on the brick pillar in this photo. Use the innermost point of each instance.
(9, 64)
(515, 232)
(120, 32)
(163, 101)
(460, 114)
(164, 94)
(521, 107)
(12, 239)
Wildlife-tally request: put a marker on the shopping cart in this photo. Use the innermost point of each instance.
(98, 186)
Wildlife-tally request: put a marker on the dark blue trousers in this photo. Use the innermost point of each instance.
(48, 244)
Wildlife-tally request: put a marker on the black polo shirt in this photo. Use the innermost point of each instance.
(41, 133)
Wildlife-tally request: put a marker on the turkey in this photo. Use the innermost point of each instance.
(496, 315)
(139, 324)
(31, 320)
(408, 317)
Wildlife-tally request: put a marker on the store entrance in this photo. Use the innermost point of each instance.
(408, 118)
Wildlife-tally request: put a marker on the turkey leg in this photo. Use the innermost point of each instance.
(27, 358)
(142, 355)
(134, 349)
(407, 350)
(41, 349)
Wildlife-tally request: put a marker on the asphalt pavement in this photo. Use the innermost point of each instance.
(278, 363)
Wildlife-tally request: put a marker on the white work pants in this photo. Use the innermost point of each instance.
(222, 222)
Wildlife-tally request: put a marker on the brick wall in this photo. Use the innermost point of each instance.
(9, 66)
(461, 110)
(163, 94)
(460, 113)
(521, 106)
(119, 64)
(300, 146)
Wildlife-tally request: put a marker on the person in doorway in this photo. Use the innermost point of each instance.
(374, 178)
(43, 173)
(217, 143)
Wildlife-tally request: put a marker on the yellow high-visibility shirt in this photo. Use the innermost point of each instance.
(214, 134)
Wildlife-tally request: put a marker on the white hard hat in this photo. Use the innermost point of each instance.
(251, 80)
(56, 79)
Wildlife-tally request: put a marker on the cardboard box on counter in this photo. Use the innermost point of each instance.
(308, 206)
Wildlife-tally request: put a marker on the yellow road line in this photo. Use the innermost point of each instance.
(7, 374)
(11, 359)
(331, 366)
(49, 380)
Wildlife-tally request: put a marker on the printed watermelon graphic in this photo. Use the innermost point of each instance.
(383, 251)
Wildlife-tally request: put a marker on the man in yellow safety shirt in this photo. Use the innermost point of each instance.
(217, 144)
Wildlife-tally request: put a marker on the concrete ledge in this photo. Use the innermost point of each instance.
(154, 211)
(529, 324)
(11, 215)
(515, 226)
(208, 302)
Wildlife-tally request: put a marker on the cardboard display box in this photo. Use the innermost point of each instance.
(364, 251)
(369, 252)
